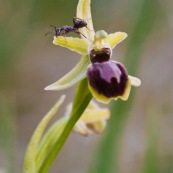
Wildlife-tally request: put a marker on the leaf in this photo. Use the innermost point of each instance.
(84, 12)
(49, 140)
(115, 38)
(71, 78)
(75, 44)
(31, 152)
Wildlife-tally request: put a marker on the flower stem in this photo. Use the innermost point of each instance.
(80, 102)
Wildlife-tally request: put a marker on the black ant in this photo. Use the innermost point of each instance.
(64, 30)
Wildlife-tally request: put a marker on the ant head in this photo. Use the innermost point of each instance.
(56, 31)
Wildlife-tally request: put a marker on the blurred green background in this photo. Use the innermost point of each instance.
(139, 137)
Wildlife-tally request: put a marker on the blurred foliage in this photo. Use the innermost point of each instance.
(21, 21)
(151, 157)
(8, 134)
(107, 159)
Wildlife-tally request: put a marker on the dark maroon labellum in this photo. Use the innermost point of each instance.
(108, 78)
(100, 55)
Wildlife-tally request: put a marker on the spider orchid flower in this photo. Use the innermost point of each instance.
(107, 79)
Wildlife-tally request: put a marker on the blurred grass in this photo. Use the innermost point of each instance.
(107, 157)
(151, 155)
(21, 20)
(8, 135)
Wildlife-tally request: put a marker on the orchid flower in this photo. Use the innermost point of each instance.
(107, 79)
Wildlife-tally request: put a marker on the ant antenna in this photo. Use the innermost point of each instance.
(51, 31)
(53, 27)
(48, 33)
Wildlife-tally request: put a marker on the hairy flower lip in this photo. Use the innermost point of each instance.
(108, 78)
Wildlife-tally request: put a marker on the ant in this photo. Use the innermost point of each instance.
(64, 30)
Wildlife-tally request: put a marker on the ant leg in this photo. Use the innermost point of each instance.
(89, 29)
(74, 20)
(77, 32)
(64, 35)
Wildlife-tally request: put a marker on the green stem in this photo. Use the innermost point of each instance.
(81, 100)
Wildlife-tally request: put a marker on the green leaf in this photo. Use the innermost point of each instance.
(84, 12)
(75, 44)
(71, 78)
(49, 140)
(115, 38)
(31, 152)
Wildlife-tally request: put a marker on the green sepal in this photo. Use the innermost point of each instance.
(115, 38)
(75, 44)
(84, 12)
(71, 78)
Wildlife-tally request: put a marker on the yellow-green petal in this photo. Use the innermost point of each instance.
(99, 126)
(72, 77)
(75, 44)
(134, 81)
(31, 152)
(115, 38)
(96, 114)
(84, 12)
(82, 128)
(126, 93)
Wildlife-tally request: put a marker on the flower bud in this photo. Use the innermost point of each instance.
(100, 35)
